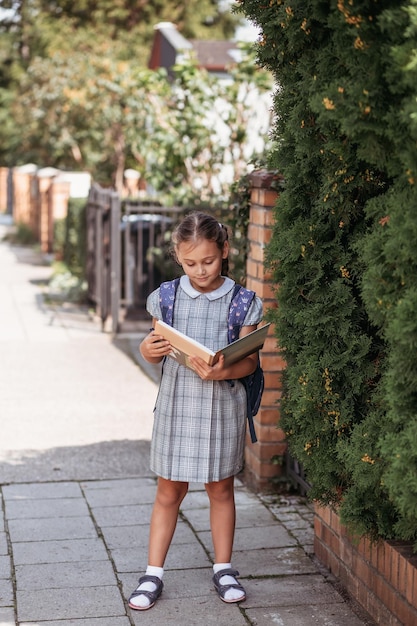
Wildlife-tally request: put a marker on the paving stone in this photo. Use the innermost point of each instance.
(180, 556)
(137, 536)
(273, 562)
(100, 621)
(188, 583)
(45, 529)
(254, 538)
(26, 553)
(7, 616)
(52, 507)
(64, 575)
(122, 483)
(3, 544)
(63, 604)
(297, 524)
(304, 536)
(2, 527)
(246, 517)
(6, 593)
(187, 612)
(5, 567)
(39, 491)
(322, 615)
(123, 494)
(290, 591)
(123, 515)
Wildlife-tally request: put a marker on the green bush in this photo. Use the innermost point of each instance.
(75, 242)
(343, 249)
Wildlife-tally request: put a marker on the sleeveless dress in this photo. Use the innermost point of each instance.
(199, 425)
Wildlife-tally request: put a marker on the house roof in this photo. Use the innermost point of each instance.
(214, 55)
(169, 44)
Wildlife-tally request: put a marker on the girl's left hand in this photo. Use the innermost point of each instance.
(208, 372)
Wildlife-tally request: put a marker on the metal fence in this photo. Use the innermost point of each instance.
(127, 253)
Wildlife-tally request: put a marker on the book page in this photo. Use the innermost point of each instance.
(183, 346)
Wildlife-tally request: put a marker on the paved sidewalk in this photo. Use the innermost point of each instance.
(76, 492)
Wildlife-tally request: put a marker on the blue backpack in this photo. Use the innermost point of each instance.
(239, 306)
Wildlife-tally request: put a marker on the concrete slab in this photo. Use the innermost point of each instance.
(123, 494)
(5, 566)
(43, 491)
(188, 583)
(3, 543)
(51, 508)
(72, 550)
(180, 556)
(7, 616)
(137, 536)
(255, 539)
(204, 611)
(47, 529)
(100, 621)
(64, 575)
(63, 604)
(273, 562)
(253, 516)
(6, 593)
(123, 515)
(323, 615)
(289, 591)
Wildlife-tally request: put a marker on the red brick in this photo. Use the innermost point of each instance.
(402, 575)
(405, 613)
(411, 583)
(393, 577)
(260, 214)
(274, 363)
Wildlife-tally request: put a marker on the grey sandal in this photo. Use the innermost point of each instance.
(221, 589)
(151, 595)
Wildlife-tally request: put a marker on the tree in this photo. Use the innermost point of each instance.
(97, 113)
(33, 29)
(342, 246)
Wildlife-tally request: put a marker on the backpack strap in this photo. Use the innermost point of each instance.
(239, 306)
(167, 293)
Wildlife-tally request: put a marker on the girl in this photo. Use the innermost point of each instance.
(200, 418)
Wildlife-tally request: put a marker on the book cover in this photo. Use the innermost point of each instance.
(183, 347)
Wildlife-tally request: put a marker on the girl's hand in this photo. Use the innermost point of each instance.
(208, 372)
(154, 347)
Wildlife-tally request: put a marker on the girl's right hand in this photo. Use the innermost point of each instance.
(154, 347)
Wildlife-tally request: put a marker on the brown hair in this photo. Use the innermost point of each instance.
(196, 226)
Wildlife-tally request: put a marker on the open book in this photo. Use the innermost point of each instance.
(183, 346)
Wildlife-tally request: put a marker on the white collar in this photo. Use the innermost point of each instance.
(210, 295)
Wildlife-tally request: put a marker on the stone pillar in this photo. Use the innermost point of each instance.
(261, 458)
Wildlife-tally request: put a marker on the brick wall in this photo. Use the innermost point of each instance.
(39, 198)
(260, 466)
(382, 577)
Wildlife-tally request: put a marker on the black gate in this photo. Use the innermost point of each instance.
(127, 253)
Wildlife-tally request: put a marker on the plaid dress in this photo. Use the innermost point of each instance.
(199, 427)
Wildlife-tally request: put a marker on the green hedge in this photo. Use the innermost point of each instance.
(343, 249)
(70, 238)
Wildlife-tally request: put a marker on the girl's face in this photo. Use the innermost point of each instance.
(202, 262)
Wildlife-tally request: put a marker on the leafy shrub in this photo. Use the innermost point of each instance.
(343, 249)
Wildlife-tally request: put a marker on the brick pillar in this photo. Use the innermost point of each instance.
(4, 174)
(260, 466)
(45, 220)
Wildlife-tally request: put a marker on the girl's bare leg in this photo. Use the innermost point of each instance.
(222, 518)
(169, 496)
(164, 517)
(222, 522)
